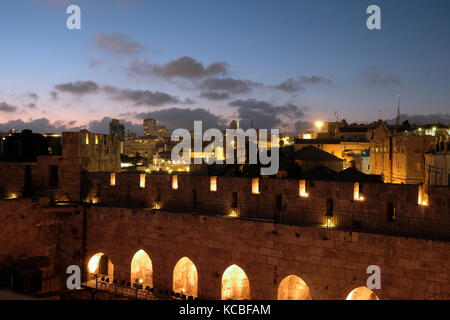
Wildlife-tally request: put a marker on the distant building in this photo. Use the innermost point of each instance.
(151, 129)
(397, 152)
(310, 157)
(437, 163)
(116, 129)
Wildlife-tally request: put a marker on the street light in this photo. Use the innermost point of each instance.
(319, 125)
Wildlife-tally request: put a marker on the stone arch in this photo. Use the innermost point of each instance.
(141, 268)
(101, 264)
(235, 284)
(293, 287)
(362, 293)
(185, 277)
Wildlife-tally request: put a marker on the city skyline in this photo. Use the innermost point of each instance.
(282, 65)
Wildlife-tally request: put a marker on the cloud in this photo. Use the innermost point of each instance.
(141, 97)
(33, 96)
(116, 43)
(94, 62)
(175, 118)
(295, 85)
(265, 114)
(31, 106)
(7, 108)
(54, 95)
(301, 126)
(422, 119)
(183, 67)
(376, 76)
(78, 88)
(42, 125)
(227, 84)
(214, 95)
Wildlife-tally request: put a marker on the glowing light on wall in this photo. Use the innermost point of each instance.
(362, 293)
(112, 179)
(174, 182)
(422, 198)
(328, 223)
(96, 139)
(255, 186)
(213, 184)
(233, 213)
(185, 277)
(307, 136)
(235, 284)
(356, 194)
(87, 138)
(302, 189)
(141, 268)
(93, 263)
(293, 288)
(142, 180)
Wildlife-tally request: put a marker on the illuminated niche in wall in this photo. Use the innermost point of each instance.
(235, 284)
(87, 138)
(112, 179)
(362, 293)
(302, 189)
(255, 186)
(293, 288)
(142, 180)
(422, 198)
(185, 277)
(142, 268)
(96, 139)
(357, 192)
(213, 184)
(174, 182)
(100, 264)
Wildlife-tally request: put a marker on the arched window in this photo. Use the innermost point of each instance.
(141, 268)
(100, 264)
(293, 288)
(185, 277)
(235, 284)
(362, 293)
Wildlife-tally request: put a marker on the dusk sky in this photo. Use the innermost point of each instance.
(282, 63)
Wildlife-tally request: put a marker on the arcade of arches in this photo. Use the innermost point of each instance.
(235, 284)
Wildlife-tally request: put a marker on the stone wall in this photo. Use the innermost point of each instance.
(332, 263)
(279, 200)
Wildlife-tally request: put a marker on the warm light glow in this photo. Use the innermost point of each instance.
(174, 182)
(307, 136)
(87, 138)
(12, 195)
(255, 186)
(293, 288)
(141, 268)
(156, 205)
(302, 189)
(185, 278)
(235, 284)
(142, 180)
(96, 139)
(356, 194)
(213, 184)
(362, 293)
(112, 179)
(319, 124)
(233, 213)
(422, 196)
(328, 223)
(93, 263)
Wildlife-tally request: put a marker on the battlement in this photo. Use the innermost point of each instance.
(372, 207)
